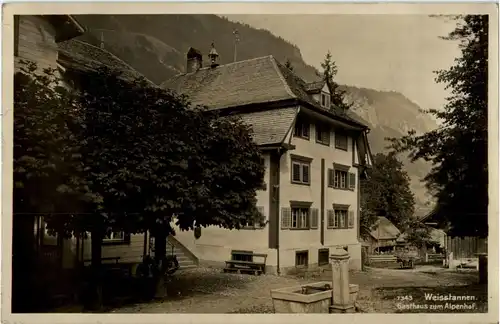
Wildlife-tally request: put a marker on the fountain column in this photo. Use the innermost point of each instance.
(341, 303)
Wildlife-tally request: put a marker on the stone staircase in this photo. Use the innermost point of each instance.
(187, 260)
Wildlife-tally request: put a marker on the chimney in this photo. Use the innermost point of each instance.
(214, 57)
(194, 60)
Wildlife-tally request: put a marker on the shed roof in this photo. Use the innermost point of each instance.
(384, 229)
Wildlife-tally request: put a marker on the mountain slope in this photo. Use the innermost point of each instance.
(155, 45)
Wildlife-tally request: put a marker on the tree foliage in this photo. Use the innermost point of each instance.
(47, 159)
(386, 192)
(289, 65)
(130, 156)
(337, 97)
(418, 234)
(458, 148)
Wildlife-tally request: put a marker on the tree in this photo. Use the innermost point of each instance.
(418, 234)
(46, 169)
(337, 96)
(458, 148)
(386, 192)
(143, 155)
(289, 65)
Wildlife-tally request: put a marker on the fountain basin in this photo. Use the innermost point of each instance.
(310, 298)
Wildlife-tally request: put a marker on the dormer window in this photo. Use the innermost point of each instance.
(325, 100)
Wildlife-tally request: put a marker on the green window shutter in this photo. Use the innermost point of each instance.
(286, 217)
(351, 219)
(330, 220)
(352, 180)
(314, 218)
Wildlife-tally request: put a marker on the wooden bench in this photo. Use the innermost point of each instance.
(244, 266)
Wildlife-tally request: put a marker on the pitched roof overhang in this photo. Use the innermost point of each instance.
(66, 26)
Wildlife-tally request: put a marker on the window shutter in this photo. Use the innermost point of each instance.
(286, 217)
(305, 173)
(305, 129)
(331, 215)
(330, 177)
(351, 219)
(352, 180)
(314, 218)
(295, 172)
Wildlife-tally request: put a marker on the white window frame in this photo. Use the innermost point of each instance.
(340, 179)
(341, 218)
(300, 218)
(301, 165)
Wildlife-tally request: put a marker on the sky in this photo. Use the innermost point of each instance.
(383, 52)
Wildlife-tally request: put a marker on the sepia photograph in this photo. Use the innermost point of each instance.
(251, 163)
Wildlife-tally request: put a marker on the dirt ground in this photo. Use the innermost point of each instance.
(207, 290)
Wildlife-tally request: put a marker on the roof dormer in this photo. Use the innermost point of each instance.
(320, 92)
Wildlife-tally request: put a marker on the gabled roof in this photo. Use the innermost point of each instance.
(254, 81)
(81, 56)
(270, 126)
(315, 87)
(241, 83)
(384, 229)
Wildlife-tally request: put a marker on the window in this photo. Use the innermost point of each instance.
(332, 221)
(301, 258)
(111, 236)
(301, 167)
(322, 134)
(300, 215)
(341, 141)
(323, 257)
(256, 223)
(340, 178)
(301, 129)
(325, 100)
(340, 217)
(300, 218)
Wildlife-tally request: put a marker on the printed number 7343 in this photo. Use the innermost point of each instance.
(405, 298)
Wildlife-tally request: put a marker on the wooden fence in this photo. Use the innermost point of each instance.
(466, 247)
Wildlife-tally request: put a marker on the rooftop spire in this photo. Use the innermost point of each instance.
(236, 41)
(214, 56)
(102, 40)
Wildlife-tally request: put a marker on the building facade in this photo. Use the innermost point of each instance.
(314, 157)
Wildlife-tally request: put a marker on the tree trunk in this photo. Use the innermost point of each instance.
(96, 269)
(160, 254)
(23, 264)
